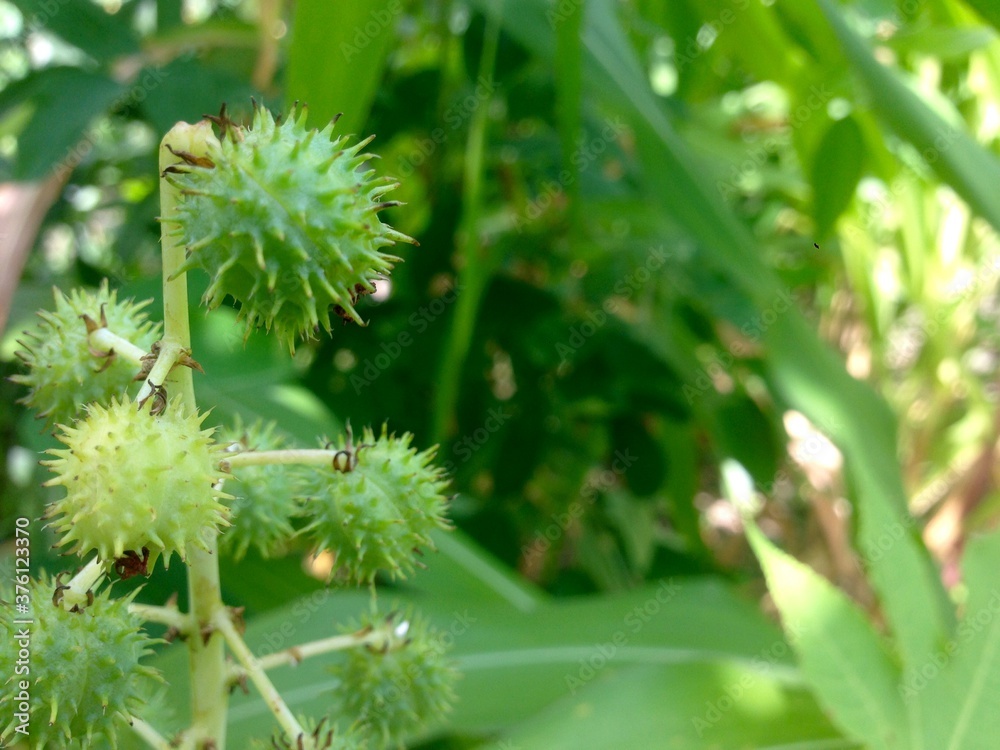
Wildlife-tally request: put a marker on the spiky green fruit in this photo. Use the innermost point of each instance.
(398, 684)
(321, 735)
(264, 501)
(85, 679)
(283, 220)
(135, 480)
(64, 370)
(377, 506)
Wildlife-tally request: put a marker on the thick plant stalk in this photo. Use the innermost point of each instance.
(209, 689)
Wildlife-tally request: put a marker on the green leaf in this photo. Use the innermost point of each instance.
(836, 171)
(861, 424)
(255, 380)
(64, 102)
(569, 85)
(177, 100)
(971, 170)
(803, 370)
(337, 55)
(958, 686)
(944, 43)
(465, 571)
(515, 664)
(84, 24)
(988, 9)
(683, 707)
(841, 655)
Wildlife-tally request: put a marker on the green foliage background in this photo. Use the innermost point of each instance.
(653, 234)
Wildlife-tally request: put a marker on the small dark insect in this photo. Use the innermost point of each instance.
(130, 564)
(346, 460)
(360, 290)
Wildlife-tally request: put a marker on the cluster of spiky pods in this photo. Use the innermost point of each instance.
(285, 222)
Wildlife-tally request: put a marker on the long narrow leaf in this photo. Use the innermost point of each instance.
(803, 369)
(841, 655)
(958, 160)
(957, 688)
(336, 57)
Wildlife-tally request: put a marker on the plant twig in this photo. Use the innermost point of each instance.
(294, 655)
(254, 670)
(150, 736)
(169, 616)
(314, 457)
(104, 338)
(206, 656)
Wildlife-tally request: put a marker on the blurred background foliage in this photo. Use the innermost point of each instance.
(653, 235)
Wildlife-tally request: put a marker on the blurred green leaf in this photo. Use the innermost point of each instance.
(988, 9)
(176, 100)
(64, 101)
(803, 369)
(336, 57)
(836, 171)
(683, 707)
(515, 665)
(944, 43)
(848, 667)
(83, 24)
(971, 170)
(254, 379)
(957, 687)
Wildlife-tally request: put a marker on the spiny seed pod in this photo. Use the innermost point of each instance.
(398, 684)
(135, 480)
(376, 505)
(321, 735)
(85, 677)
(284, 221)
(65, 371)
(263, 496)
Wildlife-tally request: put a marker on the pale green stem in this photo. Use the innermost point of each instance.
(296, 654)
(150, 736)
(253, 669)
(170, 353)
(310, 456)
(207, 666)
(478, 259)
(75, 593)
(169, 616)
(104, 339)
